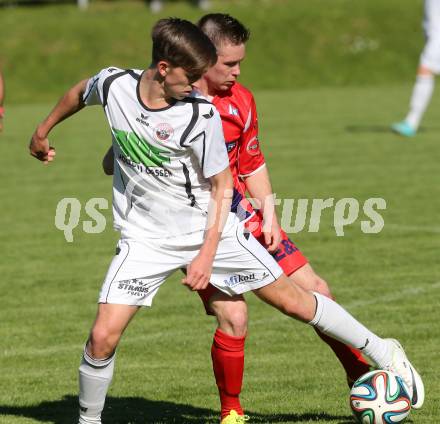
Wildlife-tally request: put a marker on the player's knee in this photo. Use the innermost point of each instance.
(322, 287)
(232, 317)
(102, 343)
(238, 322)
(307, 279)
(423, 70)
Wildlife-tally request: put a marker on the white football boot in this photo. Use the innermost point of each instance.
(401, 366)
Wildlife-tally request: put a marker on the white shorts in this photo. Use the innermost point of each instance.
(430, 57)
(140, 267)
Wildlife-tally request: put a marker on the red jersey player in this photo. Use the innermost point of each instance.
(237, 109)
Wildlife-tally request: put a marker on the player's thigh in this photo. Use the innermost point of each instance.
(111, 321)
(137, 271)
(307, 278)
(289, 298)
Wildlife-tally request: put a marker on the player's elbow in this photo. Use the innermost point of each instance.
(108, 163)
(108, 169)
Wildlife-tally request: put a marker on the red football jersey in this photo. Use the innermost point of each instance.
(240, 127)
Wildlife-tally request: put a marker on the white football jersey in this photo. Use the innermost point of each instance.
(163, 157)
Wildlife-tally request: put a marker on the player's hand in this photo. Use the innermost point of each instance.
(39, 148)
(272, 237)
(198, 273)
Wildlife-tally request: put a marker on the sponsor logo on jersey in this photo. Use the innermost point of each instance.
(231, 146)
(138, 150)
(134, 287)
(157, 171)
(235, 280)
(143, 120)
(253, 146)
(209, 115)
(163, 131)
(233, 110)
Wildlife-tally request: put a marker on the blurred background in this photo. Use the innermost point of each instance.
(44, 46)
(329, 77)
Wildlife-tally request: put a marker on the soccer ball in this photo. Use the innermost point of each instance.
(380, 397)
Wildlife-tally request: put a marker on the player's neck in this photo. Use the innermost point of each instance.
(203, 88)
(151, 91)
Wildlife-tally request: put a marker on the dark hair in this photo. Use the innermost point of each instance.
(221, 27)
(182, 44)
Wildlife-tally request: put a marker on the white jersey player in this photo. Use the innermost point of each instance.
(179, 163)
(429, 66)
(161, 191)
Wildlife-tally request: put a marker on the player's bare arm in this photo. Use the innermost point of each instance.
(69, 104)
(108, 162)
(199, 270)
(259, 187)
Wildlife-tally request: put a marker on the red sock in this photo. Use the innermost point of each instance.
(351, 359)
(227, 354)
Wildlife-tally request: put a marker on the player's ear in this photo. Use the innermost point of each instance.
(163, 68)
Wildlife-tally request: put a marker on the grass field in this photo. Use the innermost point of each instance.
(319, 143)
(294, 43)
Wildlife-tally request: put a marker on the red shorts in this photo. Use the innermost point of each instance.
(288, 257)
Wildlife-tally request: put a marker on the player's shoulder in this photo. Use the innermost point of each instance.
(201, 106)
(201, 111)
(113, 72)
(196, 98)
(238, 100)
(240, 91)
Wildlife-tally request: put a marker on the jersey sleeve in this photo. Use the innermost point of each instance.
(250, 157)
(210, 147)
(93, 93)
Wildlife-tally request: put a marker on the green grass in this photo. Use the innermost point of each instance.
(319, 143)
(294, 43)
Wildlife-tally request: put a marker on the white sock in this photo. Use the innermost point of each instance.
(421, 96)
(333, 320)
(95, 376)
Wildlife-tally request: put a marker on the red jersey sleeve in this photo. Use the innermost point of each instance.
(250, 157)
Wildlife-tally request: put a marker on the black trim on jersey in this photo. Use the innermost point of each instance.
(258, 259)
(188, 185)
(203, 153)
(106, 86)
(133, 74)
(192, 123)
(138, 94)
(195, 100)
(116, 273)
(84, 99)
(203, 134)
